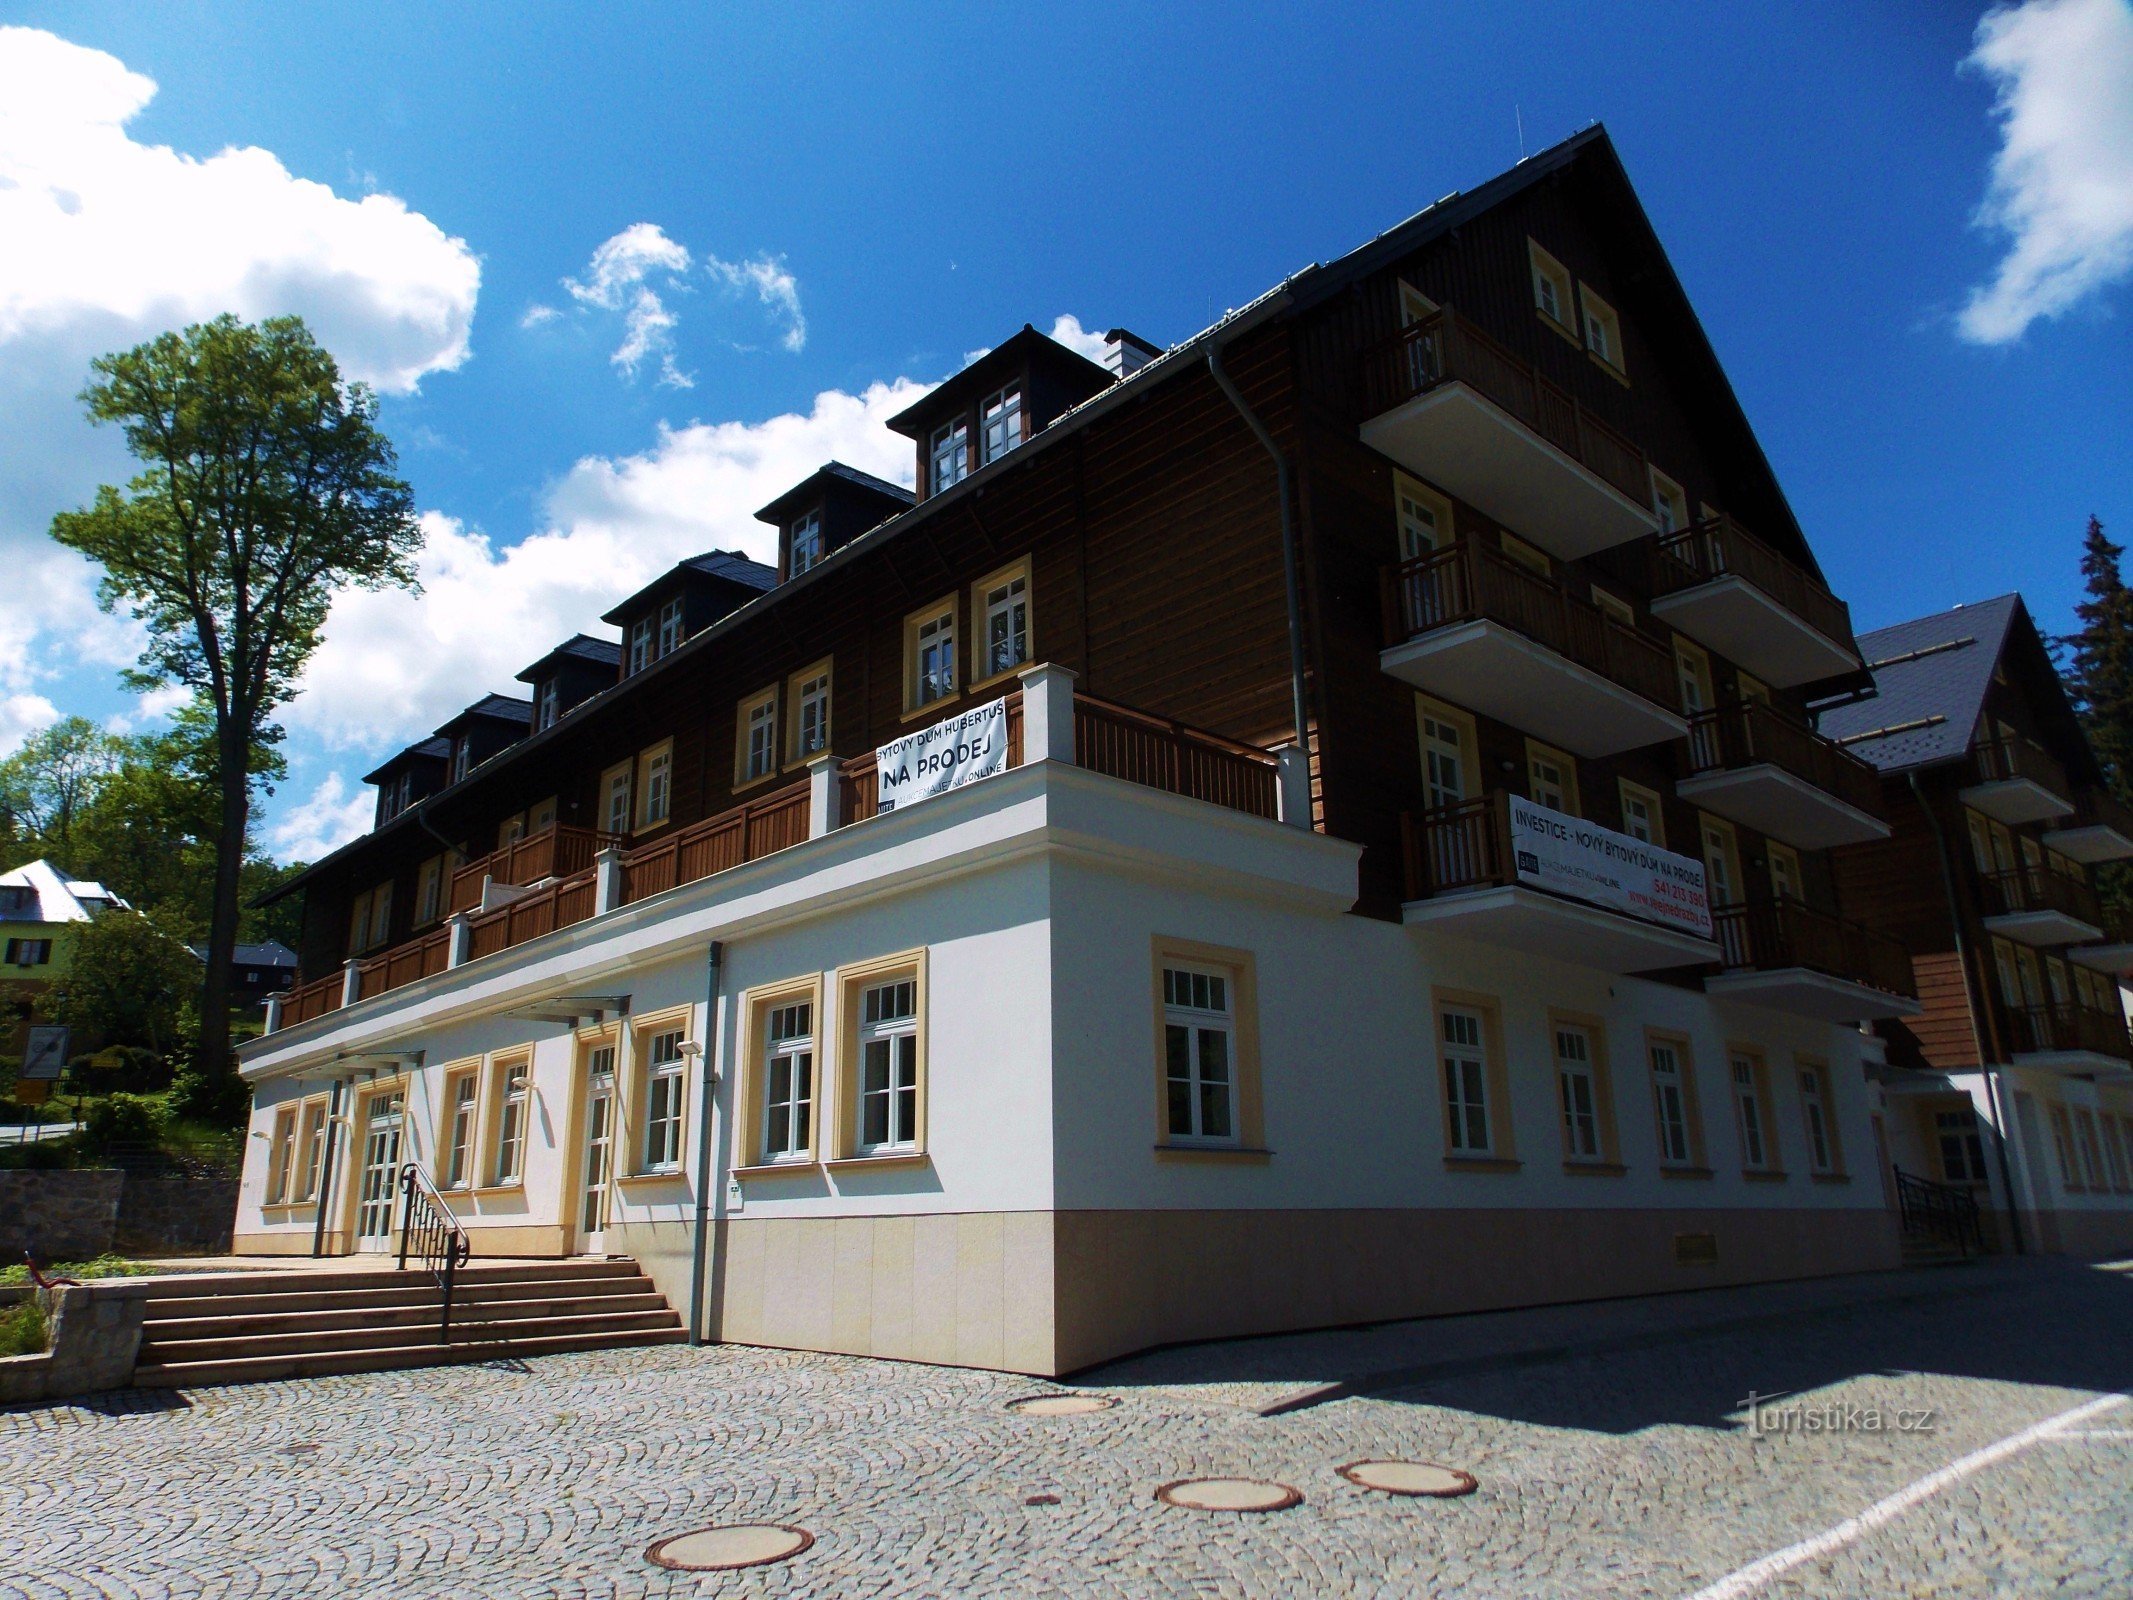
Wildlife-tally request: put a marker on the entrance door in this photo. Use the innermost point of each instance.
(599, 1162)
(379, 1181)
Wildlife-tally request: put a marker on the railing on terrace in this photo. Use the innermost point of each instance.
(1444, 347)
(1932, 1210)
(2032, 887)
(1123, 743)
(861, 797)
(555, 852)
(717, 844)
(1466, 845)
(1751, 732)
(314, 999)
(560, 904)
(1719, 547)
(403, 964)
(1469, 582)
(2069, 1025)
(2004, 760)
(1786, 933)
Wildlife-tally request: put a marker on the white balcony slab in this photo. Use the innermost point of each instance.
(1804, 992)
(2075, 1064)
(1487, 667)
(1463, 442)
(1753, 629)
(2043, 928)
(1789, 808)
(2015, 801)
(2090, 843)
(1533, 923)
(2115, 959)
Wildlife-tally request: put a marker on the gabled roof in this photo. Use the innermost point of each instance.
(731, 565)
(495, 707)
(810, 488)
(432, 748)
(56, 897)
(271, 954)
(578, 647)
(1002, 361)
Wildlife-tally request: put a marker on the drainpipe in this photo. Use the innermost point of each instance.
(699, 1267)
(1970, 1003)
(422, 821)
(325, 1173)
(1288, 545)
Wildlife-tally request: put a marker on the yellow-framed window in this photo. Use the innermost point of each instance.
(755, 737)
(779, 1095)
(1552, 778)
(880, 1069)
(807, 698)
(1002, 622)
(281, 1156)
(655, 785)
(459, 1127)
(931, 674)
(1643, 815)
(1551, 289)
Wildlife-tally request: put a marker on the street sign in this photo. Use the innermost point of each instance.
(44, 1057)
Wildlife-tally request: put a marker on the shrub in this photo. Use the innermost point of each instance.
(220, 1099)
(22, 1328)
(123, 1119)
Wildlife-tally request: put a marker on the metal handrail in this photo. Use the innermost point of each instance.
(428, 1229)
(1926, 1207)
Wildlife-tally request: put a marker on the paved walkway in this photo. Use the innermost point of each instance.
(1627, 1473)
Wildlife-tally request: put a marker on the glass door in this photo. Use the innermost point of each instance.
(599, 1160)
(379, 1182)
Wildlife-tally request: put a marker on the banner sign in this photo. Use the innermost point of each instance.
(1568, 855)
(44, 1053)
(945, 756)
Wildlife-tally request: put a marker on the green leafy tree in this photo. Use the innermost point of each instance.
(127, 982)
(47, 784)
(2098, 661)
(265, 487)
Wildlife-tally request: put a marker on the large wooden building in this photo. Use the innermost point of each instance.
(1436, 605)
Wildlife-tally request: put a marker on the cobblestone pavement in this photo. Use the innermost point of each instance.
(1631, 1474)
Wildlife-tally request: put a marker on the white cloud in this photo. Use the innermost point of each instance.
(2062, 182)
(1067, 330)
(536, 315)
(618, 280)
(22, 715)
(328, 819)
(395, 665)
(774, 286)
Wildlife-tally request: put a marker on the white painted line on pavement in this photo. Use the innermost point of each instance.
(1752, 1577)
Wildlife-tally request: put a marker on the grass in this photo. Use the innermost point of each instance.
(105, 1266)
(22, 1329)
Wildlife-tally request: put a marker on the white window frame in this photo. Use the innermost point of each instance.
(1748, 1111)
(281, 1156)
(1465, 1065)
(1003, 623)
(1555, 277)
(616, 798)
(670, 618)
(312, 1147)
(1578, 1083)
(514, 1097)
(797, 1053)
(1199, 1005)
(1448, 740)
(1654, 818)
(1563, 785)
(1601, 319)
(666, 1076)
(757, 753)
(462, 1120)
(547, 704)
(888, 1038)
(641, 640)
(1959, 1125)
(810, 692)
(1814, 1110)
(804, 542)
(655, 802)
(1423, 516)
(1670, 502)
(1670, 1102)
(933, 639)
(1002, 422)
(948, 455)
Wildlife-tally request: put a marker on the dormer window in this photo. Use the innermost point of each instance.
(806, 543)
(1002, 418)
(670, 626)
(462, 756)
(547, 703)
(949, 460)
(640, 645)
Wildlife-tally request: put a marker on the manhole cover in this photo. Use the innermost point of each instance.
(1410, 1477)
(1061, 1405)
(1228, 1494)
(745, 1544)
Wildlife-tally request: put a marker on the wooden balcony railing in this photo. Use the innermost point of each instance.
(1719, 547)
(2031, 887)
(314, 999)
(556, 852)
(1446, 348)
(1787, 933)
(1123, 743)
(2069, 1025)
(559, 905)
(1469, 582)
(403, 964)
(2004, 760)
(743, 833)
(1753, 732)
(1461, 846)
(862, 783)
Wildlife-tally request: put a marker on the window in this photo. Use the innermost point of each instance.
(457, 1145)
(1198, 1055)
(755, 750)
(1551, 778)
(1692, 675)
(2063, 1146)
(311, 1155)
(1814, 1109)
(1000, 604)
(929, 655)
(1580, 1090)
(1962, 1151)
(2114, 1148)
(1749, 1112)
(540, 817)
(2091, 1155)
(1466, 1072)
(888, 1066)
(670, 626)
(547, 703)
(948, 460)
(512, 1092)
(1603, 330)
(1670, 1098)
(429, 891)
(1001, 419)
(655, 785)
(809, 695)
(281, 1156)
(615, 799)
(1614, 607)
(1752, 690)
(789, 1083)
(1721, 863)
(1551, 286)
(1670, 502)
(29, 952)
(1425, 518)
(1642, 816)
(665, 1081)
(1534, 560)
(805, 543)
(1447, 739)
(462, 756)
(1785, 880)
(370, 918)
(640, 645)
(510, 831)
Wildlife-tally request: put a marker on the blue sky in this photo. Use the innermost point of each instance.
(813, 211)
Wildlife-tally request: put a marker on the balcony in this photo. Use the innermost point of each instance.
(1752, 763)
(555, 852)
(2036, 905)
(2017, 781)
(1724, 587)
(2070, 1037)
(1463, 878)
(1451, 404)
(1471, 626)
(2114, 955)
(2100, 829)
(1789, 957)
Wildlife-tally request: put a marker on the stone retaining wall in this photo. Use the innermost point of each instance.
(78, 1215)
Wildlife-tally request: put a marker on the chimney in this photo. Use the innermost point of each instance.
(1126, 353)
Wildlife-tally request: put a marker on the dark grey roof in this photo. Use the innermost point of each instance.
(271, 954)
(1931, 674)
(786, 503)
(580, 646)
(433, 747)
(728, 564)
(501, 707)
